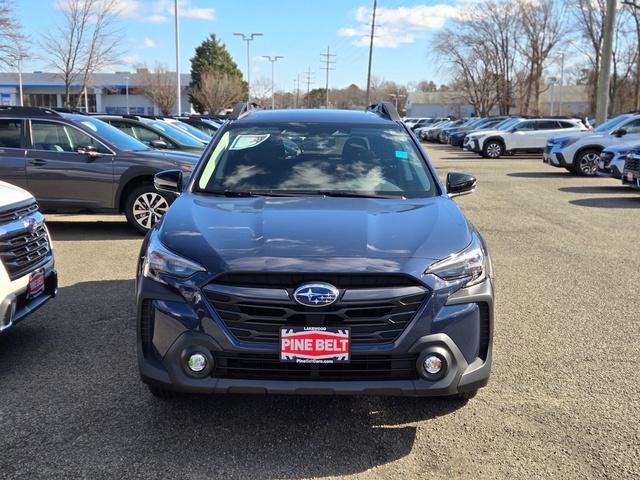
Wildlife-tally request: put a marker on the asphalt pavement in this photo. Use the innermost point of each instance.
(562, 401)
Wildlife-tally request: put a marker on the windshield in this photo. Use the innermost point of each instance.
(111, 134)
(199, 134)
(174, 133)
(609, 124)
(316, 159)
(508, 123)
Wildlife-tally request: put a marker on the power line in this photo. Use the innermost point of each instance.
(328, 64)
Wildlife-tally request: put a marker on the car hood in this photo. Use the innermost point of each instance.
(314, 233)
(582, 133)
(10, 194)
(482, 133)
(615, 149)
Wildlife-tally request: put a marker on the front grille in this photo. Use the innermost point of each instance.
(632, 163)
(23, 251)
(375, 310)
(269, 367)
(485, 330)
(293, 280)
(16, 213)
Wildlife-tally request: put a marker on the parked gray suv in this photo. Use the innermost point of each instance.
(77, 163)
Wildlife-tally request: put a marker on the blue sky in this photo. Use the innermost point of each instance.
(297, 29)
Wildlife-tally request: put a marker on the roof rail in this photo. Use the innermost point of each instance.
(32, 111)
(385, 109)
(68, 110)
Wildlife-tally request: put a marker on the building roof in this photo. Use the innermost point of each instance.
(98, 80)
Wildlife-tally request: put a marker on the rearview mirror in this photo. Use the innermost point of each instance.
(620, 132)
(168, 181)
(460, 184)
(89, 150)
(160, 144)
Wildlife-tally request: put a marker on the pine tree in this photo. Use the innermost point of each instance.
(211, 57)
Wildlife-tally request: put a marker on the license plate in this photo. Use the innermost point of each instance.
(629, 176)
(314, 344)
(36, 283)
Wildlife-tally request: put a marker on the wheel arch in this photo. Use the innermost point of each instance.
(494, 138)
(132, 178)
(581, 150)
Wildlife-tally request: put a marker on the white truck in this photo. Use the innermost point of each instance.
(28, 278)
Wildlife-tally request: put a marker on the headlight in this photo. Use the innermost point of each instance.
(160, 262)
(470, 263)
(566, 142)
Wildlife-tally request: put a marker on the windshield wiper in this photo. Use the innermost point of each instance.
(332, 193)
(235, 193)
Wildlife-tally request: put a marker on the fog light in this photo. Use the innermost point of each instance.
(432, 365)
(197, 362)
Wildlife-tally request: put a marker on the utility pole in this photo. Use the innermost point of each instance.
(328, 64)
(248, 37)
(296, 86)
(297, 98)
(273, 61)
(20, 78)
(602, 95)
(126, 87)
(396, 96)
(178, 87)
(308, 81)
(373, 29)
(561, 83)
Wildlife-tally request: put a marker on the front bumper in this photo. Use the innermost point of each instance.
(631, 178)
(554, 158)
(15, 304)
(172, 324)
(472, 145)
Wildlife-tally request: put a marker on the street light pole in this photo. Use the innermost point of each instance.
(248, 37)
(126, 91)
(178, 86)
(273, 61)
(561, 83)
(20, 79)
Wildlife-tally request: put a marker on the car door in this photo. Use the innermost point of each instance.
(544, 130)
(517, 137)
(12, 152)
(60, 176)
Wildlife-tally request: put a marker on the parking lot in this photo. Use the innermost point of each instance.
(562, 401)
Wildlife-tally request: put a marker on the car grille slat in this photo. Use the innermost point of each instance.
(22, 251)
(632, 163)
(374, 314)
(269, 367)
(12, 214)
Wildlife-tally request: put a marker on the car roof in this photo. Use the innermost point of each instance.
(355, 117)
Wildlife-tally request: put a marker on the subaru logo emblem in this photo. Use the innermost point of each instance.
(315, 294)
(30, 224)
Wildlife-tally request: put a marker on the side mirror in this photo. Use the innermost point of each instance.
(512, 130)
(168, 181)
(89, 150)
(620, 132)
(160, 144)
(460, 184)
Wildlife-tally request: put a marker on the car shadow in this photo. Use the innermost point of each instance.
(540, 175)
(75, 362)
(598, 189)
(62, 231)
(608, 202)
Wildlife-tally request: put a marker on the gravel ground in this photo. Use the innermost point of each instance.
(562, 401)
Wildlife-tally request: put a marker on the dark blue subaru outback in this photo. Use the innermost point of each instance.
(315, 252)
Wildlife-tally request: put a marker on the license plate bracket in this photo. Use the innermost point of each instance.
(315, 344)
(36, 284)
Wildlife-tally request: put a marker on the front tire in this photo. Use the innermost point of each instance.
(492, 149)
(144, 207)
(586, 164)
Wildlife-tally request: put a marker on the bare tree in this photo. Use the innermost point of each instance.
(543, 28)
(85, 41)
(13, 43)
(634, 6)
(159, 86)
(261, 90)
(218, 91)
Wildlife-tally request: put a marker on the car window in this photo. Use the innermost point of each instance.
(633, 126)
(59, 137)
(611, 123)
(10, 133)
(179, 136)
(547, 125)
(146, 135)
(566, 125)
(125, 127)
(309, 159)
(526, 126)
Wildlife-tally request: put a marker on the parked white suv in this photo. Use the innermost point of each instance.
(527, 135)
(581, 153)
(28, 278)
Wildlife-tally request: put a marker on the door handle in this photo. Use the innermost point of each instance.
(37, 162)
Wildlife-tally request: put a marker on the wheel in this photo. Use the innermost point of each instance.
(492, 149)
(162, 393)
(586, 163)
(144, 207)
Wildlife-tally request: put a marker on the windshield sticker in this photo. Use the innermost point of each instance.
(248, 141)
(401, 154)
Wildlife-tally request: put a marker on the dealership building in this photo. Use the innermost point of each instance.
(115, 93)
